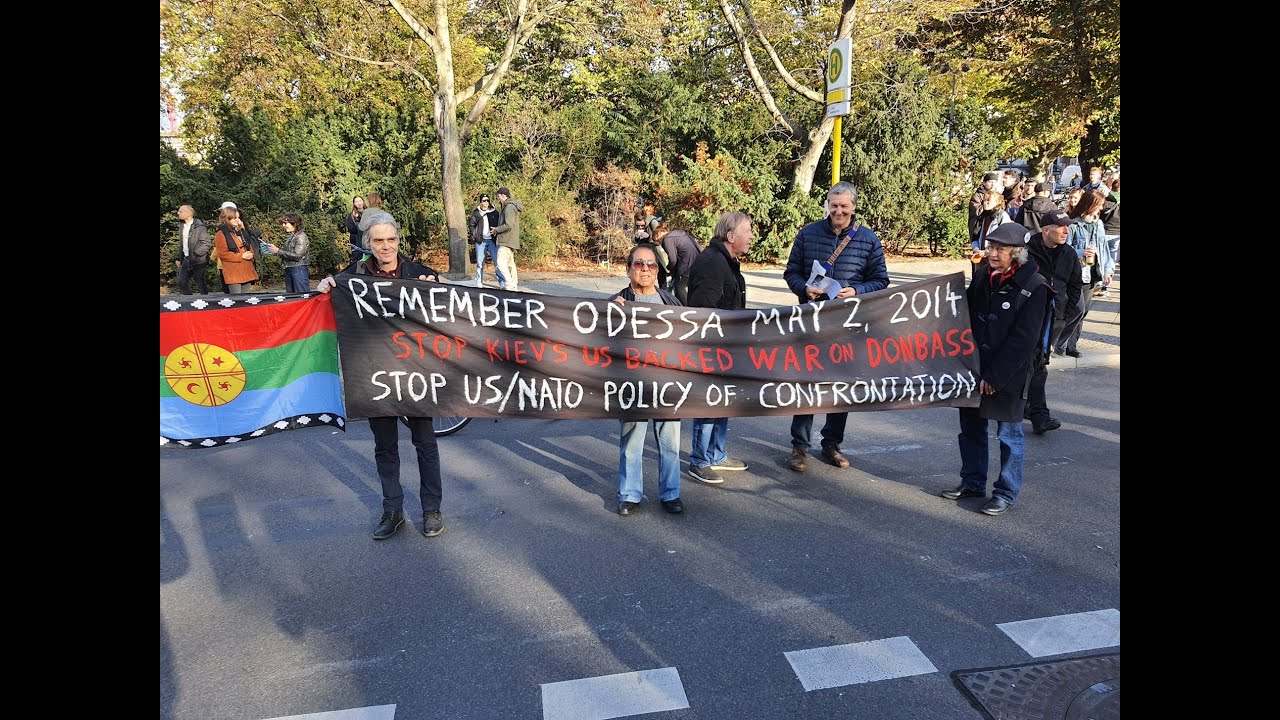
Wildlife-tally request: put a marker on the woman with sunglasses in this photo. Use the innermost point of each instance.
(642, 269)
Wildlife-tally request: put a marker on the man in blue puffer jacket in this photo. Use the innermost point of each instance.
(852, 255)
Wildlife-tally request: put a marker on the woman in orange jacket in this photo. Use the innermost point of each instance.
(236, 256)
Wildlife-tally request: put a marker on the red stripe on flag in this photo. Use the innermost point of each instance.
(247, 327)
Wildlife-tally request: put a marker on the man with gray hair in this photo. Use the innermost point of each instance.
(851, 254)
(715, 281)
(193, 251)
(385, 261)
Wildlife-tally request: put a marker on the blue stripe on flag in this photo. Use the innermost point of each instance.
(311, 394)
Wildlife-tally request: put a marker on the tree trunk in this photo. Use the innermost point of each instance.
(1091, 147)
(807, 164)
(455, 210)
(450, 139)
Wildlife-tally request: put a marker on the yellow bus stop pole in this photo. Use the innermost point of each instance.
(835, 152)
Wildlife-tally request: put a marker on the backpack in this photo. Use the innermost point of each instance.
(1041, 355)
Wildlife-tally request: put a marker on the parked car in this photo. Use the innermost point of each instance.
(1070, 177)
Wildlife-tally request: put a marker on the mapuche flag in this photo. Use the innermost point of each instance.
(244, 366)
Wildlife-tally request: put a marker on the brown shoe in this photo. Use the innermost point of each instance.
(832, 453)
(797, 460)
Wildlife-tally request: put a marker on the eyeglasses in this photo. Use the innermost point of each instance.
(644, 264)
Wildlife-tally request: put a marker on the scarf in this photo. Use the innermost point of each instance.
(230, 234)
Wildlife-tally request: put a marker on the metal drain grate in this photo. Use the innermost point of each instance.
(1077, 689)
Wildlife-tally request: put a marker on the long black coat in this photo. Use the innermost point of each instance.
(1006, 339)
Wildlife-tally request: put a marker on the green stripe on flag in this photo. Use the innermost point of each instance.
(277, 367)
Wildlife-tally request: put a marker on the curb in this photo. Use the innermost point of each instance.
(1091, 360)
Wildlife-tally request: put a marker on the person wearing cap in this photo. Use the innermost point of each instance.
(507, 233)
(1005, 331)
(1088, 237)
(1039, 204)
(481, 223)
(1058, 263)
(385, 261)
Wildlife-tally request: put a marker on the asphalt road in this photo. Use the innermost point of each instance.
(274, 601)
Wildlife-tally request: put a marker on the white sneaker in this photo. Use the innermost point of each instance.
(479, 283)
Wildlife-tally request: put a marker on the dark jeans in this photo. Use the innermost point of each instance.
(188, 271)
(386, 454)
(1037, 404)
(296, 280)
(832, 429)
(1075, 320)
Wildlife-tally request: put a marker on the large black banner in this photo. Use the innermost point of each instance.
(426, 349)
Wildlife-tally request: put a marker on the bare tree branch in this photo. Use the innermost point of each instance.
(423, 31)
(756, 79)
(791, 82)
(528, 16)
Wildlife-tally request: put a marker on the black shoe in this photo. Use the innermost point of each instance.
(962, 492)
(388, 525)
(626, 507)
(1074, 353)
(1046, 426)
(706, 475)
(995, 506)
(432, 523)
(675, 507)
(1059, 352)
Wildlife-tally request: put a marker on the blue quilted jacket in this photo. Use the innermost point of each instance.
(860, 266)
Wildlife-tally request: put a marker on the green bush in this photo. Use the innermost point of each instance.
(948, 231)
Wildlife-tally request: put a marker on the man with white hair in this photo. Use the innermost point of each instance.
(385, 261)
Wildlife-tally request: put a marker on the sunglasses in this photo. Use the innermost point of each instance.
(643, 264)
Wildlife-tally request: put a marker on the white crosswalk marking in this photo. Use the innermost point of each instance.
(614, 696)
(837, 665)
(373, 712)
(1065, 633)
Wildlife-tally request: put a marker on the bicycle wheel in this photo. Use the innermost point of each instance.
(448, 425)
